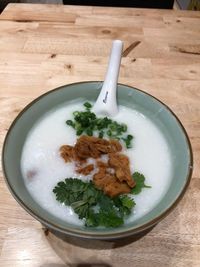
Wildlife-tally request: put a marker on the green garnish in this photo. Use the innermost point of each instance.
(86, 122)
(140, 183)
(87, 105)
(128, 140)
(70, 123)
(88, 202)
(92, 205)
(101, 134)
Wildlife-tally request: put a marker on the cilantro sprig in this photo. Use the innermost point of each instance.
(86, 122)
(140, 183)
(92, 205)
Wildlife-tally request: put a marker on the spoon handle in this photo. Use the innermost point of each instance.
(106, 103)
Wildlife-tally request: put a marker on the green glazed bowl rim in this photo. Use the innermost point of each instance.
(92, 235)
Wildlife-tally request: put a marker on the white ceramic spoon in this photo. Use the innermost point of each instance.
(106, 103)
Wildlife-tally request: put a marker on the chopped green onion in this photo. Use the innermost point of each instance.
(109, 133)
(101, 134)
(79, 131)
(70, 123)
(87, 105)
(89, 132)
(124, 127)
(130, 137)
(86, 122)
(128, 140)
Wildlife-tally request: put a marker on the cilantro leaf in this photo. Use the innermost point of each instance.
(125, 204)
(92, 204)
(109, 219)
(70, 191)
(140, 183)
(81, 210)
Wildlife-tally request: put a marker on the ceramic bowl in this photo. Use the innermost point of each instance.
(165, 120)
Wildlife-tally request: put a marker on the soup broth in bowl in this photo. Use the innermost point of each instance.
(159, 150)
(43, 167)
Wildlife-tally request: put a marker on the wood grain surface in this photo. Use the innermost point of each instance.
(46, 46)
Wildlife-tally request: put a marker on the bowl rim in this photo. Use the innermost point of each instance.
(93, 235)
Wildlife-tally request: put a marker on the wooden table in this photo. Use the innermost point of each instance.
(45, 46)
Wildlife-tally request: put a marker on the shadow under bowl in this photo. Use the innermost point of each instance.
(156, 111)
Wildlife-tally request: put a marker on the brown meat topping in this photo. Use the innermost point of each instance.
(67, 153)
(101, 178)
(116, 146)
(121, 164)
(85, 147)
(116, 188)
(86, 170)
(90, 146)
(113, 177)
(109, 183)
(102, 164)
